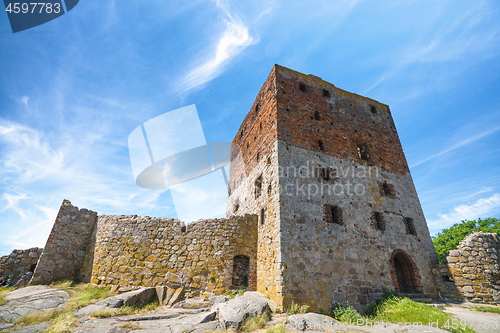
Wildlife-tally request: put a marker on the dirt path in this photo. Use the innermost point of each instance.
(481, 322)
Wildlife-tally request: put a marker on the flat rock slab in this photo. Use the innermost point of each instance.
(29, 300)
(166, 320)
(33, 329)
(480, 322)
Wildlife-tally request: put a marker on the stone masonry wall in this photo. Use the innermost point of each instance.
(64, 252)
(19, 262)
(133, 251)
(475, 268)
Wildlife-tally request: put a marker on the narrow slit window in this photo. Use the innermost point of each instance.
(410, 226)
(262, 216)
(326, 93)
(316, 115)
(302, 87)
(258, 157)
(333, 214)
(379, 221)
(236, 207)
(320, 145)
(241, 134)
(362, 151)
(258, 187)
(257, 108)
(269, 189)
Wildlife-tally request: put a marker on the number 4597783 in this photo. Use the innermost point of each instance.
(24, 8)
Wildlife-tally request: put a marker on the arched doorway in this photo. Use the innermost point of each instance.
(241, 265)
(404, 274)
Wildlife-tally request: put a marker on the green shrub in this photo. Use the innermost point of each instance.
(346, 314)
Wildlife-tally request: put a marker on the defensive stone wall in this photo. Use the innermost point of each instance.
(64, 252)
(19, 262)
(475, 268)
(204, 256)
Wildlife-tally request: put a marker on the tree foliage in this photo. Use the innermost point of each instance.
(448, 239)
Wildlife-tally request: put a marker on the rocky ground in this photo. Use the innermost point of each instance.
(198, 315)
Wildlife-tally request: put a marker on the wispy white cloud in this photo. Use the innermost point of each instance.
(234, 39)
(482, 208)
(458, 145)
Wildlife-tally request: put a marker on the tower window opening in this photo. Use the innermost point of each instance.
(262, 216)
(302, 87)
(316, 115)
(410, 226)
(362, 151)
(388, 190)
(258, 187)
(379, 221)
(269, 189)
(373, 109)
(241, 134)
(258, 157)
(269, 160)
(320, 145)
(248, 145)
(260, 126)
(333, 214)
(236, 207)
(326, 93)
(257, 108)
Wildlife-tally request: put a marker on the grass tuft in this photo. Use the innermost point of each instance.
(3, 292)
(490, 309)
(35, 318)
(294, 308)
(130, 325)
(255, 322)
(63, 323)
(84, 294)
(280, 328)
(125, 310)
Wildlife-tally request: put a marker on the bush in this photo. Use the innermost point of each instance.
(346, 314)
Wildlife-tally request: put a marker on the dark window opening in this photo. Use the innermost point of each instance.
(373, 109)
(316, 115)
(325, 173)
(320, 145)
(388, 190)
(269, 189)
(410, 226)
(260, 126)
(236, 207)
(262, 216)
(248, 145)
(326, 93)
(241, 266)
(183, 228)
(241, 134)
(445, 278)
(379, 221)
(302, 87)
(32, 268)
(362, 151)
(269, 161)
(258, 157)
(333, 214)
(257, 108)
(258, 187)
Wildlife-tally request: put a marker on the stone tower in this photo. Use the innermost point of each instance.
(339, 216)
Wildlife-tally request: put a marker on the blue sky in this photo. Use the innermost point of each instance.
(73, 89)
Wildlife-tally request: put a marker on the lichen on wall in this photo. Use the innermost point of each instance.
(132, 251)
(474, 267)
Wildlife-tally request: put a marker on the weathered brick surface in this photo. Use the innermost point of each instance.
(64, 252)
(322, 148)
(474, 267)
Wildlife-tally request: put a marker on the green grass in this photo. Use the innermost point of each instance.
(3, 292)
(280, 328)
(487, 309)
(397, 309)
